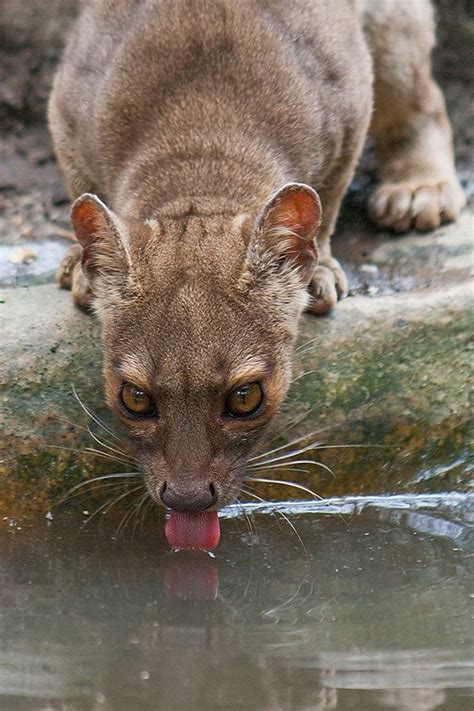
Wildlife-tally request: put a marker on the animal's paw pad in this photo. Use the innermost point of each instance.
(328, 285)
(65, 270)
(422, 206)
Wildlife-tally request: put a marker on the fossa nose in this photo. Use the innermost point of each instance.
(193, 499)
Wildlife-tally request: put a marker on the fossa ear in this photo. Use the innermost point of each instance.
(288, 226)
(102, 236)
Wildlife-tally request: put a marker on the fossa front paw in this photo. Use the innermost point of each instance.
(66, 268)
(422, 205)
(328, 285)
(70, 276)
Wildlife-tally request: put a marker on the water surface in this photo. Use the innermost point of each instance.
(356, 603)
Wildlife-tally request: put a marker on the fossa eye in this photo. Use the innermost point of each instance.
(244, 400)
(136, 401)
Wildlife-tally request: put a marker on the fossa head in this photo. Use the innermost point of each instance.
(199, 314)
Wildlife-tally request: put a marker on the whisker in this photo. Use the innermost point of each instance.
(296, 486)
(251, 526)
(149, 506)
(303, 375)
(291, 525)
(290, 444)
(310, 347)
(120, 475)
(76, 425)
(287, 468)
(141, 509)
(283, 465)
(304, 345)
(108, 446)
(89, 450)
(247, 491)
(314, 446)
(282, 482)
(248, 521)
(306, 351)
(87, 429)
(126, 518)
(109, 504)
(357, 446)
(110, 456)
(292, 453)
(93, 416)
(101, 487)
(271, 611)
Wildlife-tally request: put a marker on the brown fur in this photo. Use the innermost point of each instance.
(188, 118)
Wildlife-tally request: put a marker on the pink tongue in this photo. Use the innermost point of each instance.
(200, 531)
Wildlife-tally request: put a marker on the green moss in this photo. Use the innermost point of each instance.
(389, 372)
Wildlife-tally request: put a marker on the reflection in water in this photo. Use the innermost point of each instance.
(191, 575)
(372, 613)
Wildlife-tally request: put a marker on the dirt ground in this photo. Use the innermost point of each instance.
(34, 206)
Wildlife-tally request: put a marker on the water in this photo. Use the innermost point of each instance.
(363, 604)
(39, 266)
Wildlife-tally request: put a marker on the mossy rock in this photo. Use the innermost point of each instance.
(387, 376)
